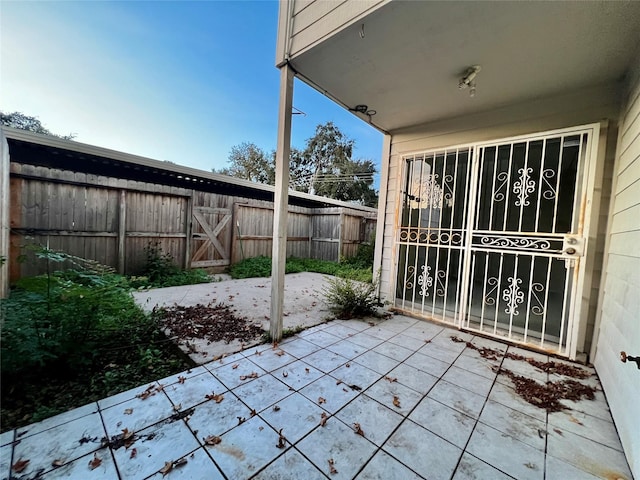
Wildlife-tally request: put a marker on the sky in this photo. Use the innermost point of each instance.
(180, 81)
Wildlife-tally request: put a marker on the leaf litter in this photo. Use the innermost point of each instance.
(548, 395)
(212, 322)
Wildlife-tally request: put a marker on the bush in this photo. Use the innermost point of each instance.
(65, 317)
(351, 299)
(161, 271)
(261, 267)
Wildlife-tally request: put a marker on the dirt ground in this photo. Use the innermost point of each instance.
(247, 298)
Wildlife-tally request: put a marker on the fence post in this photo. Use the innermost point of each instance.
(340, 228)
(4, 216)
(122, 227)
(188, 229)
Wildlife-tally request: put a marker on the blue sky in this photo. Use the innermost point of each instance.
(179, 81)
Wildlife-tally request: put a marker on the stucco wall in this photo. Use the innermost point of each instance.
(590, 105)
(619, 309)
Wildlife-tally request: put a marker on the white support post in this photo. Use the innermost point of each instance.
(281, 201)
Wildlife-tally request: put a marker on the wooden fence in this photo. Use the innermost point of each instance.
(112, 220)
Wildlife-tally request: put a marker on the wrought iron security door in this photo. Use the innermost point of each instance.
(489, 238)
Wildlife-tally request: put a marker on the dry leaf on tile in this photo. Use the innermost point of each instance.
(357, 429)
(332, 468)
(323, 419)
(282, 442)
(396, 401)
(96, 462)
(168, 466)
(212, 440)
(321, 400)
(181, 379)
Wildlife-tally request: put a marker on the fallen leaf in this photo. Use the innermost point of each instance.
(57, 463)
(558, 431)
(133, 453)
(355, 387)
(357, 429)
(348, 365)
(396, 401)
(258, 353)
(285, 374)
(391, 379)
(427, 341)
(332, 468)
(181, 379)
(96, 462)
(253, 412)
(282, 442)
(276, 408)
(306, 370)
(241, 420)
(575, 420)
(280, 353)
(234, 366)
(20, 465)
(371, 324)
(212, 440)
(251, 375)
(275, 345)
(179, 463)
(168, 466)
(128, 411)
(321, 400)
(338, 382)
(177, 407)
(126, 434)
(323, 419)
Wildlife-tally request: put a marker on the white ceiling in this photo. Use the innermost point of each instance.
(413, 53)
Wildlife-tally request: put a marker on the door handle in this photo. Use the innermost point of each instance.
(624, 358)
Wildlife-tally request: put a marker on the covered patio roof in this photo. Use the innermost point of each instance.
(404, 59)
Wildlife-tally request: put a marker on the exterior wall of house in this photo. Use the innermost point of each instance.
(590, 105)
(304, 23)
(619, 306)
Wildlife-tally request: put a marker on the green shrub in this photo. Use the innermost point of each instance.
(261, 267)
(161, 271)
(65, 317)
(351, 299)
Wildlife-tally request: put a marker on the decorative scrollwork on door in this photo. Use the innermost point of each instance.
(524, 186)
(513, 295)
(425, 280)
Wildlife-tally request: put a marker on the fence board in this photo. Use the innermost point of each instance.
(81, 214)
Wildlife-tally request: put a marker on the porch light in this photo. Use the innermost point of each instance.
(468, 79)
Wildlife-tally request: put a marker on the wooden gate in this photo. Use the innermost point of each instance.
(211, 237)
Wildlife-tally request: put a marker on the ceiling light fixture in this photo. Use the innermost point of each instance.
(363, 109)
(468, 79)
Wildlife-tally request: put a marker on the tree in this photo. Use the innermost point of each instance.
(250, 162)
(31, 124)
(324, 167)
(335, 174)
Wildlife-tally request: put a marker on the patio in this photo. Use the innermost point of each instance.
(426, 407)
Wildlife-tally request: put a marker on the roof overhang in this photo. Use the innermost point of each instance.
(404, 59)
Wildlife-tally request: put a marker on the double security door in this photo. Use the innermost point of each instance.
(490, 237)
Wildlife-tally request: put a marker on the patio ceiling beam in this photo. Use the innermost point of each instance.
(281, 200)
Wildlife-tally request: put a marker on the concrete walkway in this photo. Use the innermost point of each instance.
(396, 399)
(250, 298)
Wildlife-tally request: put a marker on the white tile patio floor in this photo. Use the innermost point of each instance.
(454, 418)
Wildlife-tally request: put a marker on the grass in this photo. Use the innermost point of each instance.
(261, 267)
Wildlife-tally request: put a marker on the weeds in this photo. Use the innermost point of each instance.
(161, 271)
(261, 267)
(351, 299)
